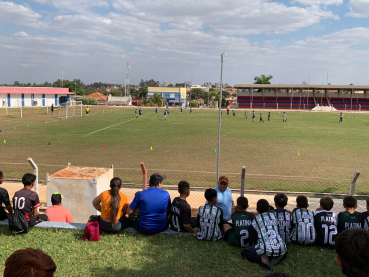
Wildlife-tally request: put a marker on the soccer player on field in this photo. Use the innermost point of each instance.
(303, 230)
(191, 110)
(165, 115)
(270, 248)
(349, 219)
(253, 116)
(283, 216)
(140, 112)
(156, 110)
(365, 216)
(210, 218)
(246, 114)
(87, 110)
(234, 113)
(52, 109)
(341, 116)
(181, 110)
(261, 118)
(136, 113)
(284, 117)
(325, 222)
(180, 211)
(268, 116)
(242, 234)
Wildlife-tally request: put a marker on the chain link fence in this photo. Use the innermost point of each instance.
(256, 186)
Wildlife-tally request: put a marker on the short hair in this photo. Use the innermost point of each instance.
(349, 201)
(243, 202)
(262, 206)
(28, 179)
(210, 194)
(1, 174)
(352, 249)
(327, 203)
(302, 201)
(56, 199)
(281, 200)
(29, 262)
(277, 274)
(183, 187)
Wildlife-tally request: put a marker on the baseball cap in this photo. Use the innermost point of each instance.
(157, 178)
(223, 179)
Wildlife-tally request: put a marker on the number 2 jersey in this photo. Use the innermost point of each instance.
(210, 221)
(365, 219)
(303, 230)
(325, 223)
(269, 241)
(244, 234)
(284, 218)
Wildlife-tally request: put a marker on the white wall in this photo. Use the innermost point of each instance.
(16, 100)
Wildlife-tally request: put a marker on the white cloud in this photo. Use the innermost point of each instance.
(75, 5)
(358, 8)
(20, 34)
(318, 2)
(17, 14)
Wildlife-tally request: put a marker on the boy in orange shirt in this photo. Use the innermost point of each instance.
(56, 212)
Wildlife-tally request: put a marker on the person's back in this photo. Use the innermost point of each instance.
(303, 230)
(56, 212)
(283, 216)
(269, 241)
(153, 203)
(349, 219)
(325, 222)
(4, 199)
(210, 218)
(365, 216)
(28, 202)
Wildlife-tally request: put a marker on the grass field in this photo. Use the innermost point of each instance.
(183, 146)
(158, 255)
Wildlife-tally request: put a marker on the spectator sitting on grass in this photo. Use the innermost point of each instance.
(180, 211)
(325, 222)
(352, 252)
(210, 218)
(284, 217)
(29, 262)
(349, 219)
(154, 204)
(225, 200)
(303, 230)
(4, 198)
(112, 204)
(57, 213)
(242, 234)
(270, 248)
(27, 201)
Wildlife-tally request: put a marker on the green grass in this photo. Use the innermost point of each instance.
(185, 142)
(158, 255)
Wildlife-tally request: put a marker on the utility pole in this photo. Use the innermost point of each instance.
(127, 79)
(220, 110)
(62, 76)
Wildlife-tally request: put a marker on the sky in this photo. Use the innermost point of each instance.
(177, 41)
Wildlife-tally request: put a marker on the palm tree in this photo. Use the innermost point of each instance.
(156, 99)
(263, 79)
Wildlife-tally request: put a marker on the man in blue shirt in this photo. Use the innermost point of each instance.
(154, 204)
(225, 200)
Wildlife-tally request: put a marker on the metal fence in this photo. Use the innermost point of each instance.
(254, 186)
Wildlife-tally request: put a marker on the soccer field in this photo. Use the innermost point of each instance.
(310, 152)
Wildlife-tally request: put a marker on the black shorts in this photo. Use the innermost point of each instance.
(228, 233)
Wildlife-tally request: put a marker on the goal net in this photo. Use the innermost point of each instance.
(73, 109)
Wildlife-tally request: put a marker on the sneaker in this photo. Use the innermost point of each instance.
(276, 260)
(266, 262)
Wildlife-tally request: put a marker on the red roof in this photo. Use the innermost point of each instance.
(97, 95)
(34, 90)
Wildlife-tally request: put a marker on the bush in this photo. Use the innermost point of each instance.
(194, 104)
(89, 101)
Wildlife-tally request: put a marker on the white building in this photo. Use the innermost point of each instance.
(33, 96)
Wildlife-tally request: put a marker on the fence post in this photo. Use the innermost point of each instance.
(144, 176)
(277, 106)
(243, 180)
(35, 171)
(353, 182)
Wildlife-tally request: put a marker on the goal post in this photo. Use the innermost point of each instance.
(74, 108)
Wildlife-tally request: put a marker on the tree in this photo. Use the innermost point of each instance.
(133, 92)
(171, 85)
(74, 87)
(149, 83)
(180, 85)
(263, 79)
(156, 99)
(143, 92)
